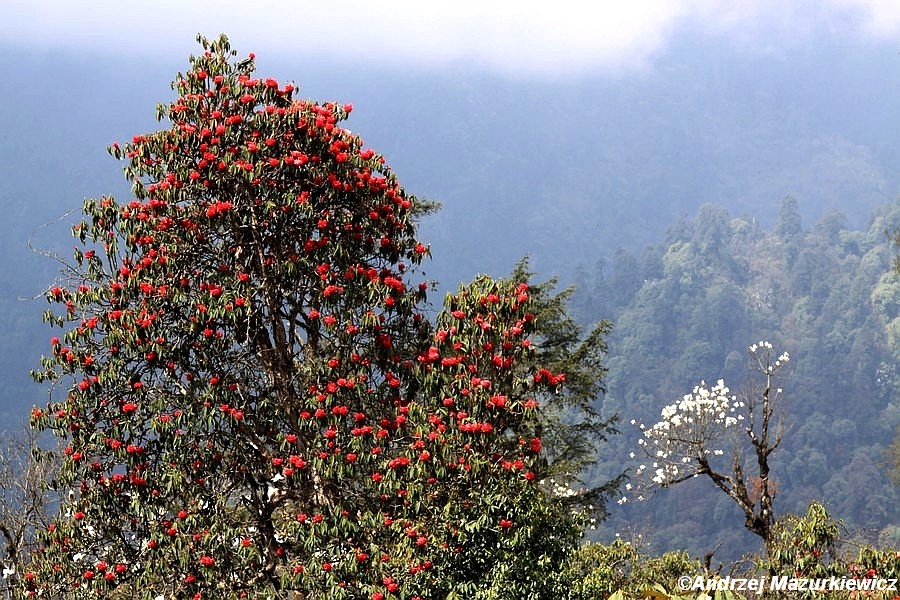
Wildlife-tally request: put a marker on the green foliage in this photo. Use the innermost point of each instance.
(892, 458)
(872, 562)
(599, 571)
(251, 400)
(895, 238)
(822, 294)
(805, 546)
(810, 547)
(572, 428)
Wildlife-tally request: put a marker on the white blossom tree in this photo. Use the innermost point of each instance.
(727, 438)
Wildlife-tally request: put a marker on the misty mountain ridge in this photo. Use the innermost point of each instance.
(550, 169)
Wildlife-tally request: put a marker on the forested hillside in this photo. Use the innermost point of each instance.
(687, 308)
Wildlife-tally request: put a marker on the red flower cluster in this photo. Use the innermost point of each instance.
(249, 350)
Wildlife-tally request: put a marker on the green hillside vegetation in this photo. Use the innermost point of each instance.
(687, 308)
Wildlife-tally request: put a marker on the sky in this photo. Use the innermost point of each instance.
(519, 38)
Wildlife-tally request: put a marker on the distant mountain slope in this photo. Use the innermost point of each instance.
(694, 303)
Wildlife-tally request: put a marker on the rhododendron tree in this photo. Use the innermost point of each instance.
(728, 439)
(250, 399)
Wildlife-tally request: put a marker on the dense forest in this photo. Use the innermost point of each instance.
(687, 308)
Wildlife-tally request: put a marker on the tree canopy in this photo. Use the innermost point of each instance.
(250, 395)
(825, 295)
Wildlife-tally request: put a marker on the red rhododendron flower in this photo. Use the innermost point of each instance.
(256, 380)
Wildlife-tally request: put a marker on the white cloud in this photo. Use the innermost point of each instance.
(525, 37)
(880, 18)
